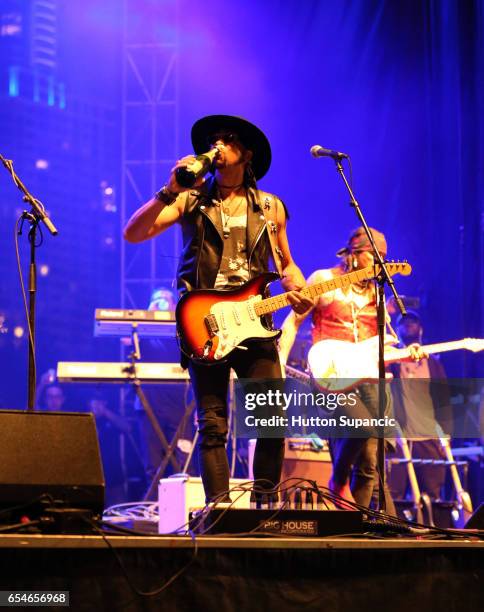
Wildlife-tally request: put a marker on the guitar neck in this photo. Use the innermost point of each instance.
(440, 347)
(272, 304)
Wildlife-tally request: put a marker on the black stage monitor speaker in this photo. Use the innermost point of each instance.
(50, 453)
(477, 519)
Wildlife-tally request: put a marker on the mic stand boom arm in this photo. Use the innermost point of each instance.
(382, 278)
(38, 209)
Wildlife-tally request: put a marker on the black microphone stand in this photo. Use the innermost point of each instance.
(169, 448)
(36, 214)
(381, 279)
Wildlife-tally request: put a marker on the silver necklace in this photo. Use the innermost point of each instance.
(227, 215)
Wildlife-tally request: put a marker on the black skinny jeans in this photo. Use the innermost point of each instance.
(355, 458)
(210, 386)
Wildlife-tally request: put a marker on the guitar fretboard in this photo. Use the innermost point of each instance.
(313, 291)
(440, 347)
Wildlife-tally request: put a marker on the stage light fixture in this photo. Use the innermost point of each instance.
(18, 331)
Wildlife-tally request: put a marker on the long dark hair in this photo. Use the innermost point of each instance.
(249, 177)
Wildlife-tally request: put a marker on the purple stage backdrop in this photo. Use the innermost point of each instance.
(397, 85)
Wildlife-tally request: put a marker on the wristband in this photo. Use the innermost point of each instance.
(166, 196)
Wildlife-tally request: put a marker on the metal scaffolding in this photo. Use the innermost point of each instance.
(149, 146)
(149, 139)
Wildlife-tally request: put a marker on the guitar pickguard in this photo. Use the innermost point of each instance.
(237, 322)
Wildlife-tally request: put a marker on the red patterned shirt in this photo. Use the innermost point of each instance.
(343, 314)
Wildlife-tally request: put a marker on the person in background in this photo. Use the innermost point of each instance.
(423, 409)
(348, 314)
(49, 393)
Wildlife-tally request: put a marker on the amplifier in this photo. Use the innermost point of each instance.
(301, 460)
(309, 523)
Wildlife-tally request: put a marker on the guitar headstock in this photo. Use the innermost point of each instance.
(473, 344)
(393, 267)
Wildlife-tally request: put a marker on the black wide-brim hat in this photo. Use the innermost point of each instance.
(249, 135)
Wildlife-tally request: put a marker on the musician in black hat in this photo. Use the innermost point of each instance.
(230, 231)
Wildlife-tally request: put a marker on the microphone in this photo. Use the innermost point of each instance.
(318, 151)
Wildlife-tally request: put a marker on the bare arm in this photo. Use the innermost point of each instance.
(155, 217)
(292, 278)
(152, 219)
(291, 325)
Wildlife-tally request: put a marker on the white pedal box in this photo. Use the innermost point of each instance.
(178, 496)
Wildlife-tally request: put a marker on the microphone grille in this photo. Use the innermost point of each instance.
(314, 150)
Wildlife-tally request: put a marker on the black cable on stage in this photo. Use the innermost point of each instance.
(261, 490)
(253, 487)
(200, 518)
(135, 589)
(391, 521)
(235, 489)
(45, 497)
(381, 520)
(380, 523)
(18, 526)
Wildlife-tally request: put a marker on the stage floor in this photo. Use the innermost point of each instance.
(222, 574)
(206, 541)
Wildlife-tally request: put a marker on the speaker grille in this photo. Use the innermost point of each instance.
(50, 452)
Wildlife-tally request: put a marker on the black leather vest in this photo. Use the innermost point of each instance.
(203, 237)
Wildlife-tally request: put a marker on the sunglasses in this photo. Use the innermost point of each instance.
(225, 137)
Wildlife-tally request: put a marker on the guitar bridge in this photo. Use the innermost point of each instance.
(211, 324)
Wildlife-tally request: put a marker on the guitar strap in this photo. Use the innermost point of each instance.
(268, 207)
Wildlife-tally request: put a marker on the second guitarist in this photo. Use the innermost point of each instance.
(349, 314)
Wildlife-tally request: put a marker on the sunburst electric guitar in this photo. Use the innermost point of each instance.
(211, 323)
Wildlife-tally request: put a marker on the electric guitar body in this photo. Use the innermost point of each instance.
(212, 323)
